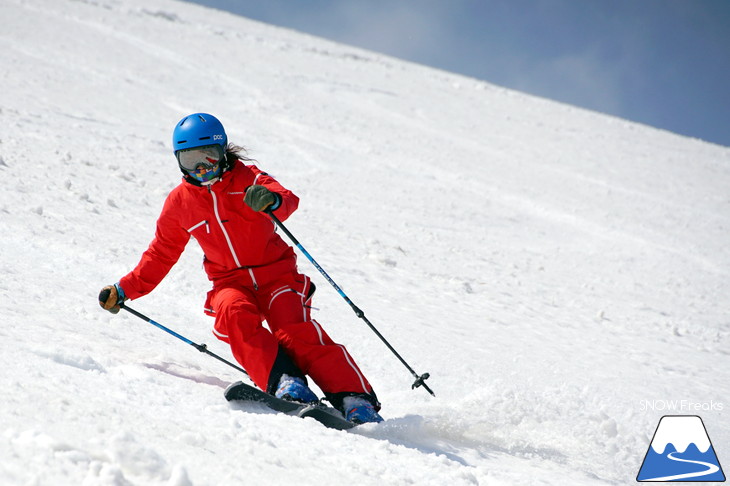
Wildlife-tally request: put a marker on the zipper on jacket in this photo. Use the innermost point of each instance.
(253, 278)
(225, 233)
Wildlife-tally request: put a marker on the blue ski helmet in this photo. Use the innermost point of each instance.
(197, 130)
(200, 130)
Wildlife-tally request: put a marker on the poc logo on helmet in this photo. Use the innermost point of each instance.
(217, 137)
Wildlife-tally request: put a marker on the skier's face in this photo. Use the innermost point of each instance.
(205, 156)
(205, 174)
(202, 163)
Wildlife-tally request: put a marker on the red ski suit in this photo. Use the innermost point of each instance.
(254, 277)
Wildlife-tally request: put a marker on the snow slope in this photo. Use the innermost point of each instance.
(563, 275)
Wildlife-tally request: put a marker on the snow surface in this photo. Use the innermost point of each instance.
(563, 275)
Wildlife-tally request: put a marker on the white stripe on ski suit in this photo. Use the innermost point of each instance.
(225, 233)
(193, 228)
(347, 356)
(352, 365)
(285, 289)
(279, 292)
(317, 327)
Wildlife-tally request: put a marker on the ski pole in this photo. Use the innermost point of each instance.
(420, 380)
(200, 347)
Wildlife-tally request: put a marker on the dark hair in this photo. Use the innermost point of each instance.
(235, 153)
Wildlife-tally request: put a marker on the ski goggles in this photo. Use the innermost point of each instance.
(206, 156)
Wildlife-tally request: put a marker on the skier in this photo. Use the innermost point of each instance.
(222, 203)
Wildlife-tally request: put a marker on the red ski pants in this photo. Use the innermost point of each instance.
(284, 304)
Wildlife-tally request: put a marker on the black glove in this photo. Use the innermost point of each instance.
(260, 198)
(110, 297)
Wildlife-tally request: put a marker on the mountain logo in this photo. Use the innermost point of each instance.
(680, 451)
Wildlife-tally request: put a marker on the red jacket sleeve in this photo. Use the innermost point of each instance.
(164, 251)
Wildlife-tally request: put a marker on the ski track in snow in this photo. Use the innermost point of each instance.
(552, 268)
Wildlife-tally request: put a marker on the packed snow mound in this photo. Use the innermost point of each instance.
(554, 269)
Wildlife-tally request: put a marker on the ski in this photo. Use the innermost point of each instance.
(327, 416)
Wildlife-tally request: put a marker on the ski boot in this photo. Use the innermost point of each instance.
(294, 389)
(359, 410)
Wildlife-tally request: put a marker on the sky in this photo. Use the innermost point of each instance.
(664, 63)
